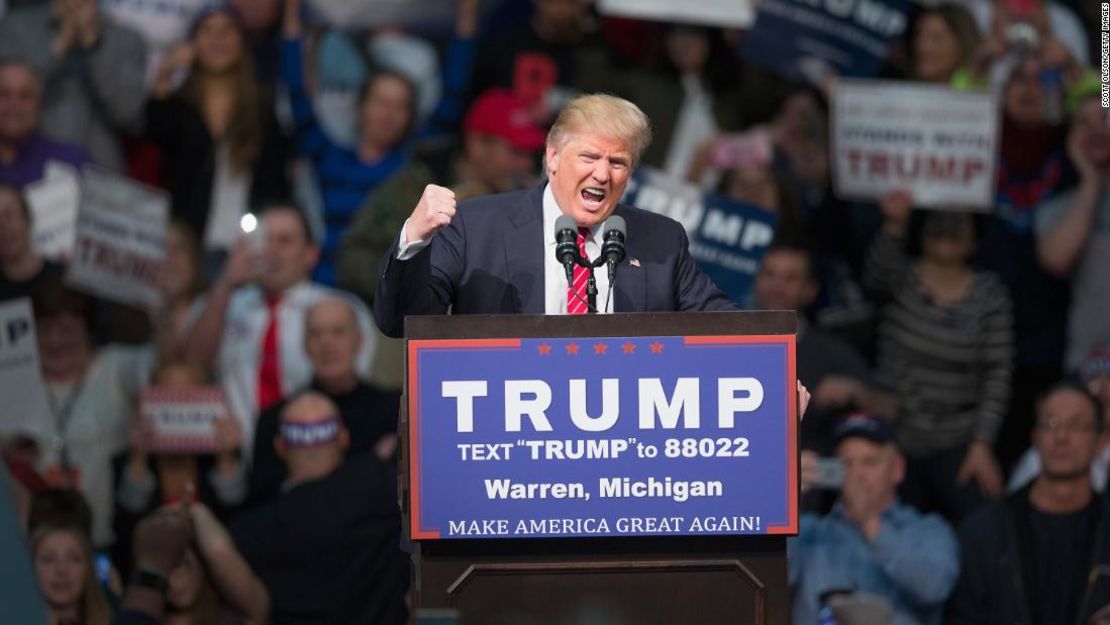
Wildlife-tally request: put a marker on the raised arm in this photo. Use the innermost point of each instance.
(887, 267)
(310, 137)
(409, 283)
(234, 578)
(458, 69)
(1060, 245)
(203, 342)
(115, 65)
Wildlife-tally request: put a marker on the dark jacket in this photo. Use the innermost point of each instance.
(367, 412)
(328, 550)
(490, 260)
(993, 587)
(189, 153)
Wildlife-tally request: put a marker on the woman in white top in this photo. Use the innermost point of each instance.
(91, 394)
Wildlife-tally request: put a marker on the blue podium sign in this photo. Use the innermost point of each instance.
(619, 436)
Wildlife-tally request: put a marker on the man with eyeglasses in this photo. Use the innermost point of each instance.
(1095, 374)
(1042, 556)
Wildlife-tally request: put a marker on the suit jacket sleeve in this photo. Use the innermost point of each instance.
(694, 291)
(422, 285)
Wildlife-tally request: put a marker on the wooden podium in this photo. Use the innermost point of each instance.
(638, 580)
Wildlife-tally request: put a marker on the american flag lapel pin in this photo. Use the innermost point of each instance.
(635, 262)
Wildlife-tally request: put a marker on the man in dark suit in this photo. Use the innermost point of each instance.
(496, 254)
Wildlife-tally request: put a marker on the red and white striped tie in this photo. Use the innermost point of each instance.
(577, 305)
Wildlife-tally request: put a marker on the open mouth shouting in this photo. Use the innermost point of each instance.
(593, 198)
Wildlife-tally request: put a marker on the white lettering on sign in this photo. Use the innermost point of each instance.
(610, 398)
(516, 406)
(465, 392)
(531, 399)
(684, 402)
(728, 404)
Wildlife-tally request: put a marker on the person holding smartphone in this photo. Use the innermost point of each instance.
(871, 542)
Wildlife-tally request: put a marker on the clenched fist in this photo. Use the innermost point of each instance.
(433, 212)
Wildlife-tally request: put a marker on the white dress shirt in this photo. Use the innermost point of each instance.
(695, 125)
(554, 276)
(247, 318)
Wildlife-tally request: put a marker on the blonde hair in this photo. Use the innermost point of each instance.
(94, 608)
(606, 115)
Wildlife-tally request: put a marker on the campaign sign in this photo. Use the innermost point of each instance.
(717, 13)
(182, 420)
(938, 143)
(121, 239)
(53, 200)
(810, 39)
(355, 14)
(727, 238)
(25, 400)
(619, 436)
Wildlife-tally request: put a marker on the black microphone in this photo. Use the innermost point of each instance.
(566, 244)
(612, 250)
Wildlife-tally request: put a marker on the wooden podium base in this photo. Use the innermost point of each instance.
(645, 581)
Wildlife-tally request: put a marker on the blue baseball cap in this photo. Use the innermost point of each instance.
(864, 425)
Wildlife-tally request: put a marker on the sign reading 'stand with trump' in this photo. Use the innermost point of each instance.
(563, 437)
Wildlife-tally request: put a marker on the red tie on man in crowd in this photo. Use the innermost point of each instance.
(269, 369)
(577, 304)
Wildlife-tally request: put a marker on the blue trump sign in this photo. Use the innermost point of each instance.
(806, 39)
(517, 438)
(727, 238)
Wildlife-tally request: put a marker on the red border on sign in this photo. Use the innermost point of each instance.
(415, 346)
(417, 532)
(790, 340)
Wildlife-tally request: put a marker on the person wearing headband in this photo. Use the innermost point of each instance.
(332, 342)
(311, 438)
(332, 508)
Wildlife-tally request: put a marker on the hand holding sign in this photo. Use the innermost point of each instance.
(896, 207)
(188, 421)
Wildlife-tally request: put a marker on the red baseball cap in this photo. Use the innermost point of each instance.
(499, 113)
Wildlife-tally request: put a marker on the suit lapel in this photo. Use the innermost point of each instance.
(630, 290)
(524, 249)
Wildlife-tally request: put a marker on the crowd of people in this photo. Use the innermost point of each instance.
(959, 362)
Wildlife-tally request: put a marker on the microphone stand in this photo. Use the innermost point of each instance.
(591, 281)
(591, 292)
